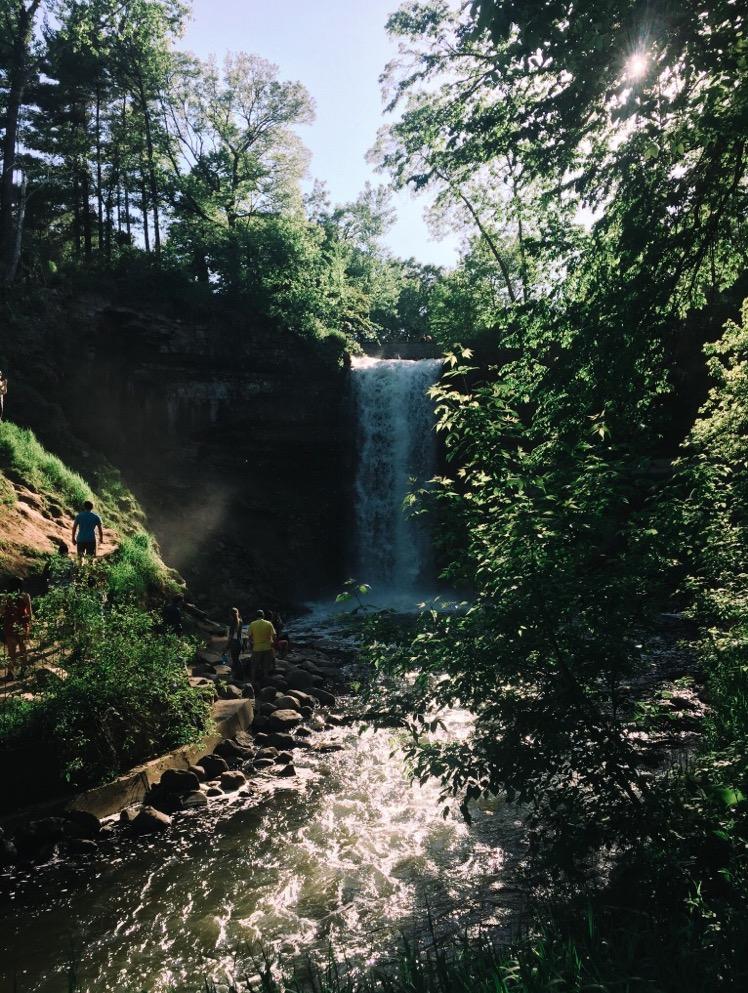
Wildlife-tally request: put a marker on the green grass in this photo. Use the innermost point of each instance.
(23, 455)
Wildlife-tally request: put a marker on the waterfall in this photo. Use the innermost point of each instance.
(396, 453)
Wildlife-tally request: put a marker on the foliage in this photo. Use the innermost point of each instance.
(124, 695)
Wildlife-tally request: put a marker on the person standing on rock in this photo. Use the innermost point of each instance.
(85, 526)
(261, 636)
(16, 626)
(3, 393)
(235, 640)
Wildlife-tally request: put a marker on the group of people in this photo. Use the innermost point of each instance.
(264, 637)
(16, 614)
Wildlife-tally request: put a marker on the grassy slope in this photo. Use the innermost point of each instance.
(40, 495)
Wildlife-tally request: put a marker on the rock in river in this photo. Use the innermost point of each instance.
(150, 821)
(214, 765)
(179, 781)
(284, 720)
(233, 780)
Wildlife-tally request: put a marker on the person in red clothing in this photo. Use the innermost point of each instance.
(16, 626)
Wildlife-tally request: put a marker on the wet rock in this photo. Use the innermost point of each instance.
(267, 694)
(306, 713)
(287, 702)
(335, 720)
(214, 765)
(244, 739)
(303, 732)
(323, 696)
(229, 749)
(285, 771)
(128, 815)
(232, 780)
(261, 738)
(267, 753)
(179, 781)
(266, 708)
(260, 764)
(279, 682)
(199, 772)
(248, 691)
(223, 672)
(326, 748)
(193, 801)
(284, 758)
(304, 699)
(260, 725)
(81, 846)
(82, 824)
(8, 852)
(214, 791)
(284, 720)
(230, 692)
(300, 679)
(151, 821)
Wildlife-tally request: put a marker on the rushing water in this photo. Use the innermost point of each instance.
(348, 856)
(396, 454)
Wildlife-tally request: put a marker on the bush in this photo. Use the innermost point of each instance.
(125, 695)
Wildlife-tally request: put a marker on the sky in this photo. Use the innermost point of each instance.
(337, 49)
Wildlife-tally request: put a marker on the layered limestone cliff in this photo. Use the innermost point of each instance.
(234, 437)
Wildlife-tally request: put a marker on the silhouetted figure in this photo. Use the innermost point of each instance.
(3, 393)
(235, 639)
(261, 636)
(172, 616)
(85, 526)
(17, 618)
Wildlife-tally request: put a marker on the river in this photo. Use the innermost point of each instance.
(348, 856)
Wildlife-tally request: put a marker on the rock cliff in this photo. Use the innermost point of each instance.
(234, 437)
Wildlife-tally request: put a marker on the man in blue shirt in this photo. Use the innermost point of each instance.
(85, 526)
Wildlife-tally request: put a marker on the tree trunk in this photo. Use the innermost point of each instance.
(151, 166)
(99, 197)
(144, 210)
(15, 256)
(17, 79)
(86, 207)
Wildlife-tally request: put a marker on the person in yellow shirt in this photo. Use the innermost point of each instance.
(261, 637)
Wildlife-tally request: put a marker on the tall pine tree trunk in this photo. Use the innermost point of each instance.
(151, 166)
(144, 210)
(17, 78)
(99, 197)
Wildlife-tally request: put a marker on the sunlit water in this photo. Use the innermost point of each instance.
(396, 446)
(348, 856)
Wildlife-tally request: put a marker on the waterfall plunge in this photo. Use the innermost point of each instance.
(396, 445)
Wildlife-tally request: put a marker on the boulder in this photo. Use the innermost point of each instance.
(284, 758)
(280, 741)
(267, 694)
(224, 672)
(303, 732)
(151, 821)
(229, 749)
(287, 702)
(214, 765)
(300, 679)
(165, 803)
(195, 800)
(199, 772)
(267, 753)
(260, 764)
(214, 791)
(284, 720)
(266, 708)
(232, 780)
(304, 699)
(244, 739)
(128, 815)
(323, 696)
(230, 691)
(179, 781)
(8, 852)
(306, 713)
(47, 828)
(286, 770)
(261, 739)
(279, 682)
(82, 824)
(81, 846)
(325, 749)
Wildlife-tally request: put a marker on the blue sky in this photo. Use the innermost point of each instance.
(337, 49)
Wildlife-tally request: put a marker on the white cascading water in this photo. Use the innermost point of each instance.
(396, 454)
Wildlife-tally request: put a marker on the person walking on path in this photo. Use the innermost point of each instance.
(235, 640)
(17, 618)
(3, 393)
(261, 636)
(85, 526)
